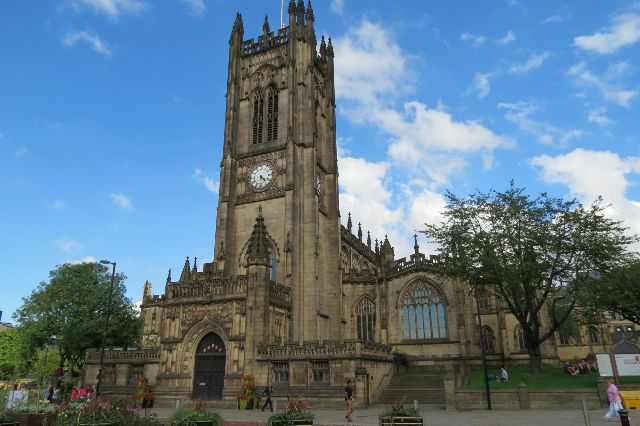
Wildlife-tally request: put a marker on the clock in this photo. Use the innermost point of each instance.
(261, 176)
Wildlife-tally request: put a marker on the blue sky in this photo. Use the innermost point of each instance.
(111, 119)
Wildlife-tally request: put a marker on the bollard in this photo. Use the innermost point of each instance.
(275, 405)
(415, 404)
(177, 403)
(624, 417)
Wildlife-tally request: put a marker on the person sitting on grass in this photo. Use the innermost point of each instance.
(569, 369)
(504, 376)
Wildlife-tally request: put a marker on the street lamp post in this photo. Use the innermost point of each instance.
(106, 324)
(482, 349)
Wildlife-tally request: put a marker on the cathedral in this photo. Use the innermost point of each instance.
(291, 296)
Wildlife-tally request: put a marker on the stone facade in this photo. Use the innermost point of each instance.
(292, 296)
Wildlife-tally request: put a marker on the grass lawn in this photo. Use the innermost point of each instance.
(550, 378)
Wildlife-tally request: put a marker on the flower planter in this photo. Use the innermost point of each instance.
(293, 422)
(99, 424)
(400, 420)
(34, 419)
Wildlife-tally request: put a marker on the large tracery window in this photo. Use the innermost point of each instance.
(488, 339)
(258, 111)
(366, 318)
(272, 115)
(423, 314)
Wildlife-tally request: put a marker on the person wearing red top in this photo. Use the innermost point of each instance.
(74, 394)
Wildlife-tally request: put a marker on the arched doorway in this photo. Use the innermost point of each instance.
(208, 377)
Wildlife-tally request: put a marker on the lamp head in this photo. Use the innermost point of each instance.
(106, 262)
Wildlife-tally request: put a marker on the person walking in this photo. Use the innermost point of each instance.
(267, 393)
(348, 397)
(615, 402)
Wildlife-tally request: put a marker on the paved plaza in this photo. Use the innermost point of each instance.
(435, 417)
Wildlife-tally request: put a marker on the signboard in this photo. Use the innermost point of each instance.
(604, 365)
(626, 364)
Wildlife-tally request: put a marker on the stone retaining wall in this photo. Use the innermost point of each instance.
(523, 398)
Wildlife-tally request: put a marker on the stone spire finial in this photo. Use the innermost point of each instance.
(265, 25)
(169, 276)
(359, 232)
(329, 48)
(186, 271)
(309, 12)
(147, 289)
(349, 224)
(369, 240)
(292, 7)
(301, 7)
(323, 47)
(238, 26)
(258, 249)
(195, 265)
(377, 247)
(416, 247)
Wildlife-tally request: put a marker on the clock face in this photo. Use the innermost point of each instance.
(261, 176)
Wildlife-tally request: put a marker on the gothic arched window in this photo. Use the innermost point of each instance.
(488, 339)
(258, 112)
(518, 335)
(593, 335)
(272, 114)
(366, 318)
(423, 314)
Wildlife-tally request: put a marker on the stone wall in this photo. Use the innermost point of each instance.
(523, 398)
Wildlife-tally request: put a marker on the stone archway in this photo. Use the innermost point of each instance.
(209, 368)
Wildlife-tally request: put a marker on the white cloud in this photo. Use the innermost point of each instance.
(121, 201)
(57, 205)
(372, 76)
(337, 6)
(520, 113)
(86, 37)
(607, 84)
(196, 7)
(624, 30)
(555, 19)
(112, 8)
(589, 174)
(67, 245)
(481, 84)
(475, 40)
(534, 61)
(21, 152)
(508, 38)
(87, 259)
(598, 116)
(209, 183)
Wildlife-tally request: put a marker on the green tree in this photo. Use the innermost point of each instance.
(529, 252)
(617, 292)
(12, 361)
(70, 312)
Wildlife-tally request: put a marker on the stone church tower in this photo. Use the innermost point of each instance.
(292, 296)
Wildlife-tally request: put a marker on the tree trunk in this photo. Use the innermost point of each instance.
(535, 359)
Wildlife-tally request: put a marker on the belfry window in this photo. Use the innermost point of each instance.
(274, 264)
(366, 319)
(272, 115)
(423, 313)
(258, 112)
